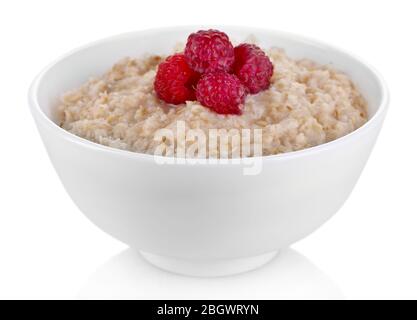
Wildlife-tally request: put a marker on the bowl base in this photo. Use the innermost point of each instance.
(208, 268)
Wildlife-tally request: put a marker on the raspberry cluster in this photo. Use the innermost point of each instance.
(215, 73)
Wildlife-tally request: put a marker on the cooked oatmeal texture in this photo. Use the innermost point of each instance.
(306, 105)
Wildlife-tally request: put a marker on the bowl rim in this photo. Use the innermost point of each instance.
(380, 112)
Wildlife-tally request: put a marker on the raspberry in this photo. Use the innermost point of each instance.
(209, 51)
(221, 92)
(253, 67)
(175, 80)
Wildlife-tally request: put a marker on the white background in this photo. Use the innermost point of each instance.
(48, 249)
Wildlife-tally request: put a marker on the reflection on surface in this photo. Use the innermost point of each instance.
(289, 276)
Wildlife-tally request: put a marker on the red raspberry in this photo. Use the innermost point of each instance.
(209, 51)
(221, 92)
(175, 80)
(253, 67)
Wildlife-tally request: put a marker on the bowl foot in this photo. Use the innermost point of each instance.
(208, 268)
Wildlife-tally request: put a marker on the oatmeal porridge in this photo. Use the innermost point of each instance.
(304, 105)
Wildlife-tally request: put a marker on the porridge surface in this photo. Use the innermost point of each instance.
(306, 105)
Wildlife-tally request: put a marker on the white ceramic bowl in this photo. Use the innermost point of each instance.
(203, 219)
